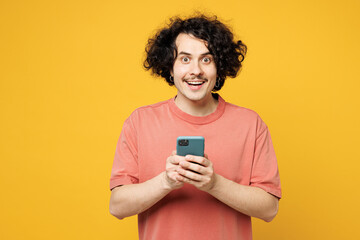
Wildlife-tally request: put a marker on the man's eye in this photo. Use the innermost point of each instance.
(206, 60)
(185, 59)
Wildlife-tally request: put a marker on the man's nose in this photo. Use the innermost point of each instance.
(196, 69)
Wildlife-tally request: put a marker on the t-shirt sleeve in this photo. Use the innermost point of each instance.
(265, 173)
(125, 165)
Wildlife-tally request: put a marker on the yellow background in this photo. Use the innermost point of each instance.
(71, 72)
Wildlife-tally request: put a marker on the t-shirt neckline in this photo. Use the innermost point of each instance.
(196, 119)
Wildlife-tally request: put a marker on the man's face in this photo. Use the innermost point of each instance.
(194, 69)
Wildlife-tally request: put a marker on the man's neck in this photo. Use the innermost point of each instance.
(199, 108)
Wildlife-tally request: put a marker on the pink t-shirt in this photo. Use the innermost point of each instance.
(237, 142)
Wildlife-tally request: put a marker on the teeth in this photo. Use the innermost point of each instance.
(197, 83)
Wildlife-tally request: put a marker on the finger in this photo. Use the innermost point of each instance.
(197, 159)
(193, 167)
(176, 159)
(173, 153)
(183, 179)
(187, 180)
(189, 174)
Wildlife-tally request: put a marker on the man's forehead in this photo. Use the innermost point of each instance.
(188, 41)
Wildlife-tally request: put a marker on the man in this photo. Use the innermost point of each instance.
(193, 197)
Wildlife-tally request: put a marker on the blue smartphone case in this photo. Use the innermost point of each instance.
(190, 145)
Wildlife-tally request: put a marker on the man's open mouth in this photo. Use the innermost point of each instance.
(195, 83)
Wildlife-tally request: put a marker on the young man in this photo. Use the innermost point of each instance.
(193, 197)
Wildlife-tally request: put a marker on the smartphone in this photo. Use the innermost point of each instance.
(190, 145)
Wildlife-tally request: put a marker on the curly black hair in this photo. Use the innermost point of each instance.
(228, 54)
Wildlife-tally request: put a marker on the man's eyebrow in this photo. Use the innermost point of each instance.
(189, 54)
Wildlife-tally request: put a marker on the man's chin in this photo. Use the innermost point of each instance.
(196, 97)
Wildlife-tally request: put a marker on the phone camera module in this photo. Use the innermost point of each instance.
(184, 142)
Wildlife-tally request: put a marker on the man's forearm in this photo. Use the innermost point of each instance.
(132, 199)
(252, 201)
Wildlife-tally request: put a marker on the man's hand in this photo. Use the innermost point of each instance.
(171, 179)
(197, 171)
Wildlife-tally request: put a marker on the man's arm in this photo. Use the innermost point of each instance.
(128, 200)
(252, 201)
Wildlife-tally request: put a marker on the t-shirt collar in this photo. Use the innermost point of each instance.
(196, 119)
